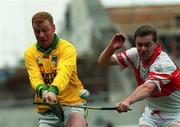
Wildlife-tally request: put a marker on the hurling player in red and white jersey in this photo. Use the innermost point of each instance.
(157, 76)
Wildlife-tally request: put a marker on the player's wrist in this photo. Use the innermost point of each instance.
(40, 88)
(128, 101)
(110, 49)
(44, 93)
(53, 89)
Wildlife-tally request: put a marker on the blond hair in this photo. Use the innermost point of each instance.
(41, 17)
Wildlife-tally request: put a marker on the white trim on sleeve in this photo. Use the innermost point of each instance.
(118, 62)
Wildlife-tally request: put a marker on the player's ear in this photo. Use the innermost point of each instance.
(54, 27)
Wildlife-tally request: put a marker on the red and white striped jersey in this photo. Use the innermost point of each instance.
(159, 69)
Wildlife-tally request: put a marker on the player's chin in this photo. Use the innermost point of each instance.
(45, 44)
(144, 57)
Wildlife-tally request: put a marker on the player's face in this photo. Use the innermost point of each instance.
(145, 46)
(44, 33)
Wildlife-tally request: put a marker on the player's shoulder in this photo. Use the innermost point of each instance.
(64, 44)
(31, 48)
(132, 52)
(164, 62)
(164, 58)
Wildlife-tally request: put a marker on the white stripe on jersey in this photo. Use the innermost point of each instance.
(116, 59)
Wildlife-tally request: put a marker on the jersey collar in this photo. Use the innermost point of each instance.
(156, 53)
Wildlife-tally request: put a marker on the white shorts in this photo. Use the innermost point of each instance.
(155, 118)
(49, 119)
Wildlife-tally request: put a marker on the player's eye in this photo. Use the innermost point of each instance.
(37, 31)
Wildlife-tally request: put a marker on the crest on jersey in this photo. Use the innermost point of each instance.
(39, 60)
(158, 68)
(54, 59)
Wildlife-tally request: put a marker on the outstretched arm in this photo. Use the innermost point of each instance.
(141, 92)
(116, 42)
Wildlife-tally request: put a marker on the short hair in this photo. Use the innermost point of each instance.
(41, 17)
(146, 29)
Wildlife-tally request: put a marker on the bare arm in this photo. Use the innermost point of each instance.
(141, 92)
(105, 57)
(116, 42)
